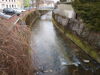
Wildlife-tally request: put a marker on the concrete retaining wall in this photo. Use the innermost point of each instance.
(30, 18)
(72, 31)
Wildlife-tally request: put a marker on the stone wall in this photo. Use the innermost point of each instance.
(77, 27)
(77, 32)
(30, 18)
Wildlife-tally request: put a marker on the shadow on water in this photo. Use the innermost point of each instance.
(54, 53)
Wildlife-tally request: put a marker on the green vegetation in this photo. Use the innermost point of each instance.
(89, 11)
(79, 42)
(27, 3)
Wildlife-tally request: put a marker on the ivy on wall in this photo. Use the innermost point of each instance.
(89, 11)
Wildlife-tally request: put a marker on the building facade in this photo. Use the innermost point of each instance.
(20, 3)
(11, 4)
(46, 3)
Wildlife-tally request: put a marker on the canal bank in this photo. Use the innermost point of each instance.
(15, 50)
(68, 28)
(76, 30)
(87, 64)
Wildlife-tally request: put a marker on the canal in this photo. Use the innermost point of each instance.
(53, 53)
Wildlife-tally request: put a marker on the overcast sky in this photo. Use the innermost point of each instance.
(55, 0)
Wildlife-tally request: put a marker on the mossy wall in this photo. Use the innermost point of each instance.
(31, 18)
(84, 45)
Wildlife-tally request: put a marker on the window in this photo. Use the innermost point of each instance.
(6, 6)
(3, 5)
(9, 6)
(15, 6)
(12, 6)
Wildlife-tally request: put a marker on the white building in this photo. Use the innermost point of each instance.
(65, 10)
(11, 4)
(47, 3)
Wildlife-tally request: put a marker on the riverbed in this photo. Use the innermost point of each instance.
(53, 53)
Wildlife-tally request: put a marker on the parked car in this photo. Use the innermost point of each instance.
(18, 11)
(8, 11)
(11, 11)
(4, 15)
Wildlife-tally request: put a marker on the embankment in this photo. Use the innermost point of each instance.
(15, 57)
(76, 31)
(30, 18)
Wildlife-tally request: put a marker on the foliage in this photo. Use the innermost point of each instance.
(27, 3)
(89, 1)
(89, 11)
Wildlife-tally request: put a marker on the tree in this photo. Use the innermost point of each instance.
(89, 11)
(27, 3)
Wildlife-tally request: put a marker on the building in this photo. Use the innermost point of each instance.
(46, 3)
(20, 3)
(11, 4)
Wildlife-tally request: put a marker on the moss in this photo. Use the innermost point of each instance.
(89, 12)
(82, 44)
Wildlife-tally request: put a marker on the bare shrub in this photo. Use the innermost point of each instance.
(15, 56)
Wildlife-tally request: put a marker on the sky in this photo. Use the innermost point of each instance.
(55, 0)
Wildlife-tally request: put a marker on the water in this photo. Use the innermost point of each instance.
(54, 56)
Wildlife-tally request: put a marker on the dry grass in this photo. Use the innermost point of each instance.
(15, 56)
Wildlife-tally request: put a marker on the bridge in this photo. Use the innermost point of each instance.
(45, 8)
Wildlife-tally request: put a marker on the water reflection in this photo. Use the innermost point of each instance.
(55, 57)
